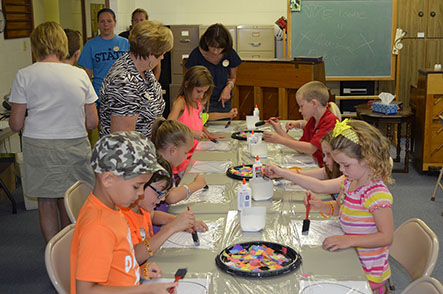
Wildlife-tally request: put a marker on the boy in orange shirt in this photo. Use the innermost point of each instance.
(318, 120)
(102, 254)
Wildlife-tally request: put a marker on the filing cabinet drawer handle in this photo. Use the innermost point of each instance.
(185, 40)
(255, 44)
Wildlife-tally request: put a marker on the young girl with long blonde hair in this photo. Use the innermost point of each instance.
(364, 206)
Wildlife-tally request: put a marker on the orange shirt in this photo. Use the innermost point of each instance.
(139, 224)
(101, 248)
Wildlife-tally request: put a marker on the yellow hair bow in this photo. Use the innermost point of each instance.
(342, 128)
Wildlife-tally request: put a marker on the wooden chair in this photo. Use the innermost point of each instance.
(57, 259)
(75, 197)
(415, 247)
(425, 285)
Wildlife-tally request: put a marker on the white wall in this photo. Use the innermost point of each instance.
(206, 12)
(14, 55)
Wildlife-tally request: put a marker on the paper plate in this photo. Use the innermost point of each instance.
(239, 172)
(292, 261)
(242, 135)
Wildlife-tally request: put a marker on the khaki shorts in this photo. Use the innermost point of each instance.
(52, 166)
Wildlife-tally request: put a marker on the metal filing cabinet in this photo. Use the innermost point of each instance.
(231, 29)
(255, 42)
(185, 40)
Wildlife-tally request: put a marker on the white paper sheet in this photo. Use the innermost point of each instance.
(221, 128)
(301, 160)
(207, 239)
(214, 194)
(319, 230)
(211, 146)
(208, 167)
(186, 286)
(334, 287)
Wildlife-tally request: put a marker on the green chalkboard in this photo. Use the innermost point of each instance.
(353, 36)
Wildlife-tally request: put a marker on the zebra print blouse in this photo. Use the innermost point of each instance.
(124, 92)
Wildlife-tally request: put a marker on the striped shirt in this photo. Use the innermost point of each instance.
(356, 218)
(124, 92)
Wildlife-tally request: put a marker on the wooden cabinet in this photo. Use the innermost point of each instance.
(427, 103)
(423, 44)
(272, 84)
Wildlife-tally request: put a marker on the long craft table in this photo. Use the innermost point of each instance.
(282, 210)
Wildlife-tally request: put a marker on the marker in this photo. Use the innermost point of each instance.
(194, 234)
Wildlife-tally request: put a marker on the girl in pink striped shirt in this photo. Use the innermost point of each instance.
(364, 206)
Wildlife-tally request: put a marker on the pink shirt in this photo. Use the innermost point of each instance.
(192, 117)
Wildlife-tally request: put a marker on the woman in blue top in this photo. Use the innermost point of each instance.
(216, 54)
(100, 53)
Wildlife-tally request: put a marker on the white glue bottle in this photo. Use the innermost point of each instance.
(244, 196)
(256, 168)
(256, 112)
(251, 138)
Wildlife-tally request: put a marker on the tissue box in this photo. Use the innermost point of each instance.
(384, 108)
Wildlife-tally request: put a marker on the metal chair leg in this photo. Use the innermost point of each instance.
(14, 205)
(438, 184)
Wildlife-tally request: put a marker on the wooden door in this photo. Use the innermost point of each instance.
(412, 16)
(434, 52)
(411, 60)
(435, 19)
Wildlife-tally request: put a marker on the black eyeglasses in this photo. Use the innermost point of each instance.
(160, 195)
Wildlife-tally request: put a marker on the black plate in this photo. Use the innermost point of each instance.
(293, 263)
(236, 135)
(237, 177)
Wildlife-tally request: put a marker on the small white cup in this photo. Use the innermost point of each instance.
(261, 189)
(253, 219)
(250, 122)
(437, 67)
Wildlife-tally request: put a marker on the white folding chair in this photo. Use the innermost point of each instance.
(57, 259)
(75, 197)
(425, 285)
(415, 248)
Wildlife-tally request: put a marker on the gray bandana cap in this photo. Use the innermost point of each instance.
(127, 154)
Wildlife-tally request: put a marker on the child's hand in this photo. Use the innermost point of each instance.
(212, 136)
(160, 288)
(337, 242)
(200, 181)
(315, 202)
(271, 137)
(272, 171)
(154, 271)
(275, 123)
(200, 226)
(199, 135)
(291, 125)
(183, 221)
(233, 113)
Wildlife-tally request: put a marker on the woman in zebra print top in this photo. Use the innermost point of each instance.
(131, 97)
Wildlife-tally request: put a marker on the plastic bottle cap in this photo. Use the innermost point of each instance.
(256, 106)
(244, 181)
(257, 158)
(252, 132)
